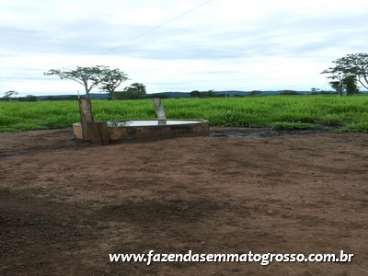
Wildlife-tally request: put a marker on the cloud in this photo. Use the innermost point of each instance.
(257, 45)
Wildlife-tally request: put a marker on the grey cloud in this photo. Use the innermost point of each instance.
(275, 36)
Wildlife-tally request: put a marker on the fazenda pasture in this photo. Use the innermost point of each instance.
(279, 112)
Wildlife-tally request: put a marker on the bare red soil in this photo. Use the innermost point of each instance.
(64, 206)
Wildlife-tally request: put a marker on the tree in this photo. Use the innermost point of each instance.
(211, 93)
(338, 86)
(134, 91)
(255, 92)
(350, 83)
(9, 94)
(195, 93)
(352, 64)
(288, 92)
(137, 89)
(315, 90)
(89, 77)
(113, 78)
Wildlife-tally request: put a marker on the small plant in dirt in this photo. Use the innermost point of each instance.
(293, 126)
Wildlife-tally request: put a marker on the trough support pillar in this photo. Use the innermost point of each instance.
(98, 133)
(95, 132)
(86, 116)
(160, 111)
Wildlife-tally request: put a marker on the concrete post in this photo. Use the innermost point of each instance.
(95, 132)
(160, 111)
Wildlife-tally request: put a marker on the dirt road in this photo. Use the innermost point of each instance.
(64, 206)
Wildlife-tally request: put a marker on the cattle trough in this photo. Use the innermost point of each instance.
(108, 132)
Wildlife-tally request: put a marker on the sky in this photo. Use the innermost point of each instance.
(178, 45)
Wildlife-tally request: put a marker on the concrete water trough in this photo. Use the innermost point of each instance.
(107, 132)
(152, 129)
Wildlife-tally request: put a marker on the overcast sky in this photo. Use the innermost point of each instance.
(221, 44)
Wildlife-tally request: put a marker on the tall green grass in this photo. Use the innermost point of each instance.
(284, 112)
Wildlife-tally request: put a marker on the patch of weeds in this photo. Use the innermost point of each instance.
(331, 120)
(293, 126)
(357, 127)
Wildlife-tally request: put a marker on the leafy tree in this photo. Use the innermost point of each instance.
(138, 89)
(209, 93)
(134, 91)
(255, 92)
(338, 86)
(9, 94)
(89, 77)
(350, 84)
(288, 92)
(195, 93)
(352, 64)
(112, 79)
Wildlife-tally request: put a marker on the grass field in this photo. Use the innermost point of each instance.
(280, 112)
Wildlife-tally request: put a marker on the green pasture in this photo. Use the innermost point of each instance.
(281, 112)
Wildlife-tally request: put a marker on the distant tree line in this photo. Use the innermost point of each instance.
(346, 75)
(203, 94)
(134, 92)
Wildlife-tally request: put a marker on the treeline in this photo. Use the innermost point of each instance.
(346, 75)
(122, 95)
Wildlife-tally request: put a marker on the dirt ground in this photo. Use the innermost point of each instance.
(64, 206)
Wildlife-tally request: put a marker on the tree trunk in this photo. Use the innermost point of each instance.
(86, 88)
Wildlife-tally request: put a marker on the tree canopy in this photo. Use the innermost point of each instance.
(9, 94)
(351, 65)
(112, 79)
(137, 89)
(89, 77)
(134, 91)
